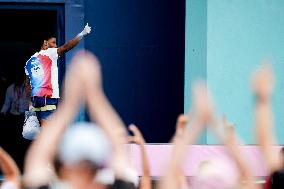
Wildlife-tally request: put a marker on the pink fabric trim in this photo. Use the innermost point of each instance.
(159, 155)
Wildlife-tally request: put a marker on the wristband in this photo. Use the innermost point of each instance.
(81, 35)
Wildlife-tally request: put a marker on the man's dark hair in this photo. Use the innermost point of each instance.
(50, 36)
(40, 39)
(38, 42)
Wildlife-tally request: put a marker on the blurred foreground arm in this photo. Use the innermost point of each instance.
(102, 112)
(9, 168)
(202, 113)
(246, 177)
(145, 182)
(263, 84)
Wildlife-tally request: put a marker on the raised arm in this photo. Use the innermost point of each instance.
(9, 168)
(182, 121)
(145, 182)
(73, 42)
(231, 141)
(263, 83)
(102, 112)
(201, 113)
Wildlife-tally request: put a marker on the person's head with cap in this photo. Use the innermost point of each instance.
(83, 150)
(216, 173)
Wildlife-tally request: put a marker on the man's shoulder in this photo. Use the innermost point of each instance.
(52, 50)
(32, 57)
(49, 52)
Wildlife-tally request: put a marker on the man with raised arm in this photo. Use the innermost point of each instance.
(42, 74)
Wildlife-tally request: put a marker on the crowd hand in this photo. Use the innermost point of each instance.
(181, 123)
(263, 82)
(74, 82)
(100, 109)
(137, 136)
(83, 75)
(202, 103)
(230, 137)
(86, 70)
(87, 67)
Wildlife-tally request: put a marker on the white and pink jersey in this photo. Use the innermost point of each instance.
(42, 70)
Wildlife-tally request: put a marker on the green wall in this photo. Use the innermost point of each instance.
(240, 35)
(195, 47)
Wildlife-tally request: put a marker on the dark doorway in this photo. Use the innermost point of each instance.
(19, 31)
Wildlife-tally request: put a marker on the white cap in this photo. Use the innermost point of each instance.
(219, 172)
(84, 141)
(105, 176)
(9, 185)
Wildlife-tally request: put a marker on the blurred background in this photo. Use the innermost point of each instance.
(150, 52)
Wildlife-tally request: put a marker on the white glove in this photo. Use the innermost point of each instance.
(86, 30)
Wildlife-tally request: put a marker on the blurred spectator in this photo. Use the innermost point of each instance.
(16, 101)
(3, 86)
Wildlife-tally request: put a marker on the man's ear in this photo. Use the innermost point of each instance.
(45, 43)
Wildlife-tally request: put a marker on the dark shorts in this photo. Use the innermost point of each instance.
(42, 106)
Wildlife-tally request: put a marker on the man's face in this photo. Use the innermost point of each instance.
(52, 42)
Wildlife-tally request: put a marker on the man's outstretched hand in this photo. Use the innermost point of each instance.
(137, 135)
(87, 29)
